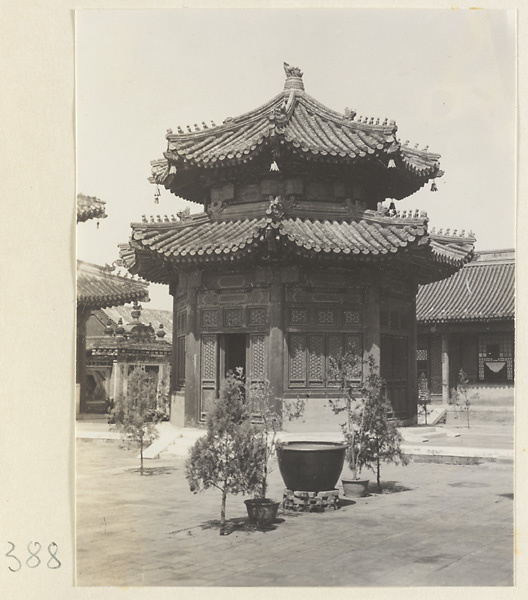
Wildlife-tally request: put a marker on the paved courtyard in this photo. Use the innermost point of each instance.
(434, 525)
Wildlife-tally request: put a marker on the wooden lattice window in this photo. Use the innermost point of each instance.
(310, 354)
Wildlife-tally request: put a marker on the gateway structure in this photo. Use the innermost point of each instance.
(295, 258)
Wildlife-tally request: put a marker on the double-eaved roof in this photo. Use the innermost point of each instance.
(484, 290)
(294, 123)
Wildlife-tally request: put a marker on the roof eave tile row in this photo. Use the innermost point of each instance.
(365, 238)
(308, 128)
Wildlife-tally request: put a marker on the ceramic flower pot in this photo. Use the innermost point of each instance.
(261, 511)
(311, 466)
(355, 488)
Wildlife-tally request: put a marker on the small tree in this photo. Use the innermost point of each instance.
(371, 437)
(345, 371)
(424, 395)
(230, 456)
(460, 394)
(268, 421)
(383, 440)
(135, 415)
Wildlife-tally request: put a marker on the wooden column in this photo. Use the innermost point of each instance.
(412, 398)
(445, 368)
(192, 360)
(82, 318)
(174, 358)
(277, 359)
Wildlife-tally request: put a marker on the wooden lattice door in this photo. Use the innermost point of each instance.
(209, 371)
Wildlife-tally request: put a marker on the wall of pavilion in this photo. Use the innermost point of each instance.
(296, 258)
(283, 323)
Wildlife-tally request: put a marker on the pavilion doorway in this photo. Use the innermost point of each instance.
(233, 350)
(220, 353)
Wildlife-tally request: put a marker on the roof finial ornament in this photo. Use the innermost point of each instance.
(293, 78)
(292, 71)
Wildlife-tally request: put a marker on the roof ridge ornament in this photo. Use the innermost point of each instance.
(293, 78)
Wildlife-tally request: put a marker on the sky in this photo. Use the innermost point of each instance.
(447, 77)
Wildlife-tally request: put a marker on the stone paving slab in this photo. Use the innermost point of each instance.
(434, 525)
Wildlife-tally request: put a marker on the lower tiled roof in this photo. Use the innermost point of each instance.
(209, 238)
(201, 239)
(483, 290)
(98, 288)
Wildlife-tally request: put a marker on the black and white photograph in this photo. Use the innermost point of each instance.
(295, 311)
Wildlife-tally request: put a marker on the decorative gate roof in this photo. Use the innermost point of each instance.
(484, 290)
(373, 236)
(297, 124)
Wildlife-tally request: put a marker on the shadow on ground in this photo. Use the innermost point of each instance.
(240, 524)
(389, 487)
(150, 471)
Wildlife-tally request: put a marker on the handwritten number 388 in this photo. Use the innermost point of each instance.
(33, 560)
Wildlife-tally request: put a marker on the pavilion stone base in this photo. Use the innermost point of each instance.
(300, 501)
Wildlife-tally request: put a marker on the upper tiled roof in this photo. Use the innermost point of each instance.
(297, 122)
(90, 207)
(201, 239)
(98, 288)
(483, 290)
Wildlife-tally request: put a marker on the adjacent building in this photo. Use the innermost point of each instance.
(97, 288)
(467, 322)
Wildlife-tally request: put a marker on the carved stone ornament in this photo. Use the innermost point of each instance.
(275, 208)
(216, 206)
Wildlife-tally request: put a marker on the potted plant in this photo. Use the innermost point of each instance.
(345, 371)
(370, 435)
(267, 422)
(230, 456)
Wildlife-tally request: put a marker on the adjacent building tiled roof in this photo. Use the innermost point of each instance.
(90, 207)
(484, 290)
(295, 121)
(201, 239)
(98, 288)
